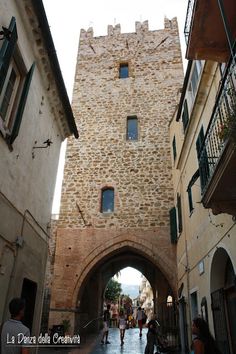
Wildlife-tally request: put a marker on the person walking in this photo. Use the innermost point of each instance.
(203, 343)
(139, 318)
(122, 326)
(13, 330)
(151, 337)
(106, 322)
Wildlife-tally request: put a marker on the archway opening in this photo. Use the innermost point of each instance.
(223, 297)
(126, 291)
(90, 296)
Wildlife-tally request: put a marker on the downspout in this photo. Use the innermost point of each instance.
(187, 271)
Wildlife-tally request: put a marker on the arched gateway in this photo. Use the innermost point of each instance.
(117, 187)
(79, 283)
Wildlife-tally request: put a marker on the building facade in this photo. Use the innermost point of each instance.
(117, 188)
(35, 117)
(203, 137)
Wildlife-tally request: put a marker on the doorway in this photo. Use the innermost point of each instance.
(29, 291)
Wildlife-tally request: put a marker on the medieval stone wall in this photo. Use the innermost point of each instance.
(139, 171)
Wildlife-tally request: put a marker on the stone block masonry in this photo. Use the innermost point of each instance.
(138, 170)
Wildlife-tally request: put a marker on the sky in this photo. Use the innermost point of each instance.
(67, 18)
(129, 276)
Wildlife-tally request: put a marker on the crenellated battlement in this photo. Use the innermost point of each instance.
(113, 30)
(140, 27)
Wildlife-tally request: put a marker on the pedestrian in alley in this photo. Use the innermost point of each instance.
(151, 337)
(203, 343)
(13, 330)
(139, 318)
(122, 322)
(106, 323)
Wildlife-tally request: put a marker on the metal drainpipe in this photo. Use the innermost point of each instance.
(187, 271)
(227, 28)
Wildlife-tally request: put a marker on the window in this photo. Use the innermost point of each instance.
(124, 71)
(174, 148)
(185, 115)
(194, 304)
(179, 208)
(14, 85)
(202, 159)
(132, 128)
(107, 205)
(192, 88)
(173, 225)
(8, 96)
(190, 200)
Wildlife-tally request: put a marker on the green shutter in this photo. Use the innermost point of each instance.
(179, 213)
(199, 141)
(174, 148)
(6, 51)
(190, 199)
(21, 106)
(202, 159)
(173, 225)
(185, 116)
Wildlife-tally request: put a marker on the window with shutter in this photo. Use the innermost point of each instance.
(179, 208)
(190, 200)
(173, 225)
(14, 85)
(174, 148)
(185, 115)
(202, 159)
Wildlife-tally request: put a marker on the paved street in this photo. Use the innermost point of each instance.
(133, 344)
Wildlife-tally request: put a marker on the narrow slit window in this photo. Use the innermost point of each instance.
(107, 205)
(132, 128)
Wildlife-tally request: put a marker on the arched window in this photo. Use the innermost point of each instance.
(169, 300)
(107, 203)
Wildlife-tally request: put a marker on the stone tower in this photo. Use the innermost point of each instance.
(120, 78)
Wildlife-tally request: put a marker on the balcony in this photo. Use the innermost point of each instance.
(217, 157)
(204, 30)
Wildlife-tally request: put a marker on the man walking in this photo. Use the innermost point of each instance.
(13, 330)
(106, 322)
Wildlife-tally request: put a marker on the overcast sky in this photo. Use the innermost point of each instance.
(129, 276)
(66, 18)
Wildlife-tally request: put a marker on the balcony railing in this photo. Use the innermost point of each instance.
(222, 126)
(188, 21)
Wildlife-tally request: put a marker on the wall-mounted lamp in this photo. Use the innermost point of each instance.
(5, 33)
(47, 143)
